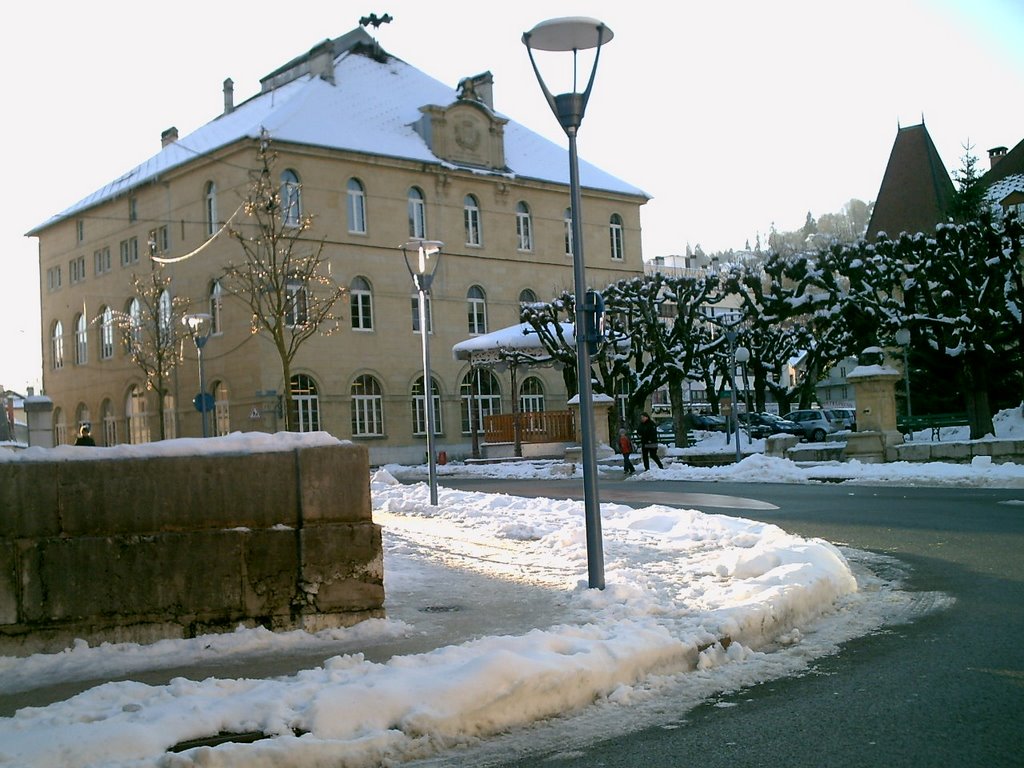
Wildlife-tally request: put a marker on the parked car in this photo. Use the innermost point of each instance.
(709, 422)
(816, 423)
(846, 416)
(760, 425)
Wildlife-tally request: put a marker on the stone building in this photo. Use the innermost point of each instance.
(377, 152)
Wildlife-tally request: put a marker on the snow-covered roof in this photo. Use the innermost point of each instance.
(521, 338)
(370, 108)
(1004, 187)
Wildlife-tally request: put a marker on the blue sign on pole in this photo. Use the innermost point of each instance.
(203, 402)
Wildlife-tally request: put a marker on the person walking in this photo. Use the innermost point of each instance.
(85, 436)
(647, 433)
(626, 448)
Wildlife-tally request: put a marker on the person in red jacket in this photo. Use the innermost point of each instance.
(626, 448)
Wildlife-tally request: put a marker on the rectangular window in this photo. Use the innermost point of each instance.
(367, 415)
(472, 221)
(524, 231)
(101, 259)
(76, 270)
(416, 315)
(617, 247)
(296, 304)
(53, 280)
(159, 240)
(129, 251)
(356, 210)
(80, 230)
(133, 210)
(419, 414)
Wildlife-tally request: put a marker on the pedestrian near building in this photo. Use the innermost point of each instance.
(85, 436)
(647, 433)
(626, 448)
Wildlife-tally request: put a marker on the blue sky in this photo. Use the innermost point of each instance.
(732, 117)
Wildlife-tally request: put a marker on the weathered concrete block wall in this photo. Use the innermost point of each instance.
(137, 549)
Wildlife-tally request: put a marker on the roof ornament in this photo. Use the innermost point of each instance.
(375, 21)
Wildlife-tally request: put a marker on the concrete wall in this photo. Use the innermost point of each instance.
(138, 549)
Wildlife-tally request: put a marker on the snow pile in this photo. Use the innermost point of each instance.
(687, 594)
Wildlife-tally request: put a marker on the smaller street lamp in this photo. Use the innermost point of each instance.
(742, 356)
(418, 253)
(903, 339)
(200, 325)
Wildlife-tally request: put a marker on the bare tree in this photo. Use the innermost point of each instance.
(283, 274)
(151, 331)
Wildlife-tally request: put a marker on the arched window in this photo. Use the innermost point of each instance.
(305, 404)
(417, 213)
(531, 395)
(361, 304)
(82, 417)
(164, 318)
(419, 407)
(367, 407)
(568, 232)
(524, 227)
(106, 333)
(618, 246)
(138, 419)
(480, 390)
(109, 423)
(81, 340)
(526, 297)
(57, 345)
(170, 417)
(476, 310)
(211, 208)
(60, 427)
(221, 409)
(216, 306)
(356, 207)
(296, 307)
(471, 217)
(134, 335)
(291, 198)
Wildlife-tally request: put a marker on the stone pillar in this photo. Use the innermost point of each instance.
(601, 405)
(39, 415)
(874, 387)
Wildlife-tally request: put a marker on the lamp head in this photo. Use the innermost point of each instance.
(198, 324)
(742, 354)
(903, 337)
(423, 249)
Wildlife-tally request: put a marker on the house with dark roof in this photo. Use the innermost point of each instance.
(916, 191)
(1004, 181)
(377, 152)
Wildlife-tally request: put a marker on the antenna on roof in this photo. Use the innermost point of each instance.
(375, 21)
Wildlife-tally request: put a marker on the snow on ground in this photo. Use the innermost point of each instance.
(695, 605)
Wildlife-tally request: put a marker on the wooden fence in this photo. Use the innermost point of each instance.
(534, 427)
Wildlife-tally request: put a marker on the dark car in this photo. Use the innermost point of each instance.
(759, 425)
(708, 422)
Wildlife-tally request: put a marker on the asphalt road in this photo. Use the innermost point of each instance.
(944, 690)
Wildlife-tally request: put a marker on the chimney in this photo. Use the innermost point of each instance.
(169, 136)
(229, 96)
(995, 155)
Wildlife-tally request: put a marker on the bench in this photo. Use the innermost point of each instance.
(934, 422)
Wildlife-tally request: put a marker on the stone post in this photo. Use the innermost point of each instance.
(601, 404)
(874, 387)
(39, 415)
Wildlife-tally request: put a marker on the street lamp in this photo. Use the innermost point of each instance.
(577, 34)
(200, 325)
(422, 270)
(741, 356)
(903, 339)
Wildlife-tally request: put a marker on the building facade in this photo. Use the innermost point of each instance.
(378, 153)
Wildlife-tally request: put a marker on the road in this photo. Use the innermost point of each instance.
(945, 690)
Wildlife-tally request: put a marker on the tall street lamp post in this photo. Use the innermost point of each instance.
(422, 270)
(200, 325)
(577, 34)
(903, 339)
(741, 356)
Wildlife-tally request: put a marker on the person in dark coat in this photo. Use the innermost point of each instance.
(85, 436)
(647, 432)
